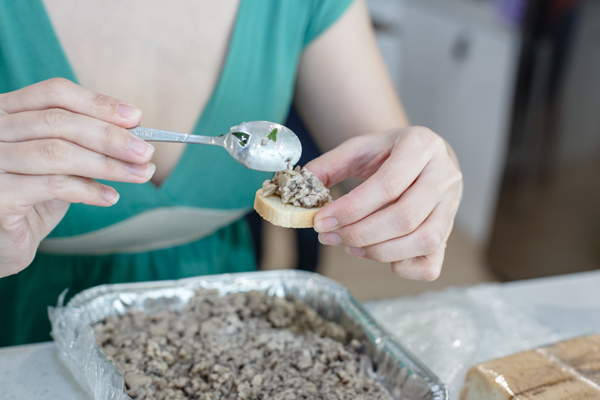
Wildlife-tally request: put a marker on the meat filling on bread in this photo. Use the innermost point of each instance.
(298, 187)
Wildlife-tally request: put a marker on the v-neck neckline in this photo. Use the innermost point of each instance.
(159, 189)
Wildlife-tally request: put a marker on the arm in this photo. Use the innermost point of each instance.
(343, 87)
(403, 213)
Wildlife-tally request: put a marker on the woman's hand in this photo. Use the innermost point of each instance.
(55, 139)
(414, 173)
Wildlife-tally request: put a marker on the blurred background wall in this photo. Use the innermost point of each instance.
(547, 220)
(514, 86)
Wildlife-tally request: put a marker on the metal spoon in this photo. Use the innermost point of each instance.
(259, 145)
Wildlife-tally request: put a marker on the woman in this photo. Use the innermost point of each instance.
(64, 146)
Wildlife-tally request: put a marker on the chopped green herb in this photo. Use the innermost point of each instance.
(242, 136)
(273, 135)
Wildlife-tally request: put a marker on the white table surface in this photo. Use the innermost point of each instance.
(35, 372)
(570, 304)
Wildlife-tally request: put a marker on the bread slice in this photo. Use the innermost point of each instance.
(567, 370)
(281, 214)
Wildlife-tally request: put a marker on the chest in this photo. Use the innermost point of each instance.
(255, 83)
(164, 57)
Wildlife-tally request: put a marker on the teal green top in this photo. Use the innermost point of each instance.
(256, 83)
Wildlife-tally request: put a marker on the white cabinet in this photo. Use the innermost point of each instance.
(456, 76)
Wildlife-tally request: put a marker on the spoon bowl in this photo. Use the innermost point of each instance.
(268, 146)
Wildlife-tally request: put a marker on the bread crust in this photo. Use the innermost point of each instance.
(281, 214)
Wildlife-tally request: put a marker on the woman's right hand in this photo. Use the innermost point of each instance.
(55, 139)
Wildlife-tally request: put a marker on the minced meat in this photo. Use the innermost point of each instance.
(298, 187)
(238, 346)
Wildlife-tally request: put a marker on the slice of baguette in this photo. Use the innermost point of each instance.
(281, 214)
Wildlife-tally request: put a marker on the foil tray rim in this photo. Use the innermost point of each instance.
(399, 352)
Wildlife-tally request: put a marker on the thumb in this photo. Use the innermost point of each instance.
(333, 166)
(359, 157)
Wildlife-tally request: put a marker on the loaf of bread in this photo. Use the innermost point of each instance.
(568, 370)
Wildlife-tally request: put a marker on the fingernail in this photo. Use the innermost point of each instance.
(110, 195)
(142, 170)
(356, 251)
(128, 111)
(139, 146)
(326, 224)
(330, 238)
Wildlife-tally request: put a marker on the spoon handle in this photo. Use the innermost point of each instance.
(156, 135)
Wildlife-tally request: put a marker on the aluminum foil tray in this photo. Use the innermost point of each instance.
(400, 372)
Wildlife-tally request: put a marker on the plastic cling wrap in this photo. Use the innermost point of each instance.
(400, 372)
(455, 328)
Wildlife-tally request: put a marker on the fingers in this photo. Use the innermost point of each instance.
(424, 268)
(58, 157)
(400, 218)
(62, 93)
(18, 193)
(426, 240)
(93, 134)
(385, 186)
(358, 157)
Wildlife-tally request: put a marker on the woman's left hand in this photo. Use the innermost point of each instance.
(403, 213)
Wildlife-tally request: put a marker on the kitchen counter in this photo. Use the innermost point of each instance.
(35, 372)
(557, 307)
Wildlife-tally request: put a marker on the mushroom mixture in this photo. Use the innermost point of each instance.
(298, 187)
(238, 346)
